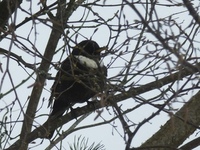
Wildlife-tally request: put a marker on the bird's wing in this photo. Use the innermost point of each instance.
(64, 74)
(69, 74)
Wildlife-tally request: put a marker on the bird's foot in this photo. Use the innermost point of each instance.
(91, 104)
(73, 113)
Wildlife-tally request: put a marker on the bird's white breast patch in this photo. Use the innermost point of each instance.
(88, 62)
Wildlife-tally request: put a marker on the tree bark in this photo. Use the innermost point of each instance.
(178, 128)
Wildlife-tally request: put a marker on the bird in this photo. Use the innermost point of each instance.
(81, 76)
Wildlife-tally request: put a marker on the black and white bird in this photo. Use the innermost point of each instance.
(81, 76)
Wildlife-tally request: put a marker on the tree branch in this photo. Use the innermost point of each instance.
(191, 145)
(43, 130)
(178, 128)
(57, 30)
(16, 58)
(192, 11)
(40, 80)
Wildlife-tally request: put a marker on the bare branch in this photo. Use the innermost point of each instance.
(192, 11)
(179, 127)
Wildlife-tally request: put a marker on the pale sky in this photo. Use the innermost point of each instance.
(39, 35)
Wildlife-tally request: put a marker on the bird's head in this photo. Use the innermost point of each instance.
(88, 48)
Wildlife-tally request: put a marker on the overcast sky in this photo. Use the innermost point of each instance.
(39, 34)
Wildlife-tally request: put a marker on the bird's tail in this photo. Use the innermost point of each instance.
(56, 113)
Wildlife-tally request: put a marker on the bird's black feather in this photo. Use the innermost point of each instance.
(75, 82)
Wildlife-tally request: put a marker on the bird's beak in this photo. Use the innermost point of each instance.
(102, 49)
